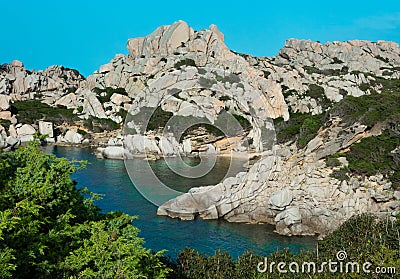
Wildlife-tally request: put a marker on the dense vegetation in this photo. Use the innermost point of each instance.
(51, 229)
(300, 127)
(30, 111)
(375, 154)
(363, 238)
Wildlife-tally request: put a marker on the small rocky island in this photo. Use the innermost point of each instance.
(321, 119)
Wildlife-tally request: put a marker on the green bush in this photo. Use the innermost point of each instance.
(224, 98)
(30, 111)
(373, 108)
(327, 72)
(104, 94)
(378, 245)
(300, 127)
(184, 62)
(5, 123)
(51, 229)
(373, 155)
(158, 119)
(318, 93)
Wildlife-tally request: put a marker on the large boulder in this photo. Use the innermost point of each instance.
(187, 146)
(4, 102)
(17, 63)
(5, 115)
(46, 128)
(139, 144)
(92, 105)
(12, 141)
(72, 136)
(26, 132)
(116, 152)
(280, 199)
(169, 146)
(119, 99)
(69, 101)
(290, 216)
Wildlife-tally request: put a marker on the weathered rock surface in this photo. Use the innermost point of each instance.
(72, 136)
(295, 192)
(46, 128)
(194, 74)
(115, 152)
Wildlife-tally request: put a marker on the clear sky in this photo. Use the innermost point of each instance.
(86, 34)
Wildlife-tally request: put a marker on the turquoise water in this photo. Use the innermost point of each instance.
(109, 177)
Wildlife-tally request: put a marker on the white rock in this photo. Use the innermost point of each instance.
(290, 216)
(166, 147)
(116, 152)
(4, 102)
(12, 141)
(17, 63)
(72, 136)
(280, 199)
(46, 128)
(119, 99)
(211, 149)
(26, 130)
(69, 101)
(139, 144)
(187, 146)
(106, 68)
(2, 142)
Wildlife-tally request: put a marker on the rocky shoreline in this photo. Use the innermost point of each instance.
(279, 107)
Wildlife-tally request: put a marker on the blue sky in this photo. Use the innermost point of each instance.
(86, 34)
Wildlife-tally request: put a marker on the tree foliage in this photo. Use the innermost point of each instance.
(51, 229)
(364, 239)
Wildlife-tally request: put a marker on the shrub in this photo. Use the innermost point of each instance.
(373, 108)
(5, 123)
(378, 245)
(104, 95)
(318, 93)
(300, 127)
(51, 229)
(158, 119)
(30, 111)
(225, 98)
(185, 62)
(373, 155)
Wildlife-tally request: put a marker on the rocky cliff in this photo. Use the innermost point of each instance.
(298, 110)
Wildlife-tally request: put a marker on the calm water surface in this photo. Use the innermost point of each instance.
(109, 177)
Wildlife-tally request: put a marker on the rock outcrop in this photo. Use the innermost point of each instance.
(292, 190)
(193, 76)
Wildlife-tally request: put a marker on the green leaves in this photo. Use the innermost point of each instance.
(49, 228)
